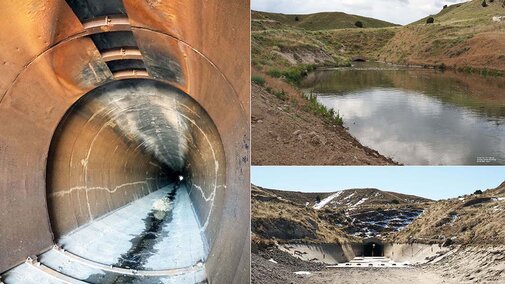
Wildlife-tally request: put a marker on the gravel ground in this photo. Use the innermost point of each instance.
(264, 271)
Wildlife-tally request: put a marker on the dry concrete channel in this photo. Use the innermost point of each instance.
(124, 132)
(372, 253)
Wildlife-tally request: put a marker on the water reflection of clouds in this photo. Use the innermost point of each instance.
(417, 129)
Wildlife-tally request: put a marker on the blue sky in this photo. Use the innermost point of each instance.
(395, 11)
(430, 182)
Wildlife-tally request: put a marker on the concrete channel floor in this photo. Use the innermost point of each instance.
(151, 234)
(364, 262)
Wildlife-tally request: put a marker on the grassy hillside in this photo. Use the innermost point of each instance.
(468, 13)
(285, 49)
(289, 45)
(276, 218)
(463, 36)
(343, 215)
(315, 22)
(471, 219)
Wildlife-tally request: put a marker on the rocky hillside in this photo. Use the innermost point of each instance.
(373, 212)
(349, 198)
(475, 219)
(279, 219)
(352, 199)
(356, 212)
(314, 22)
(467, 37)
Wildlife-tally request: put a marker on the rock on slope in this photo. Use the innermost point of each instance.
(353, 212)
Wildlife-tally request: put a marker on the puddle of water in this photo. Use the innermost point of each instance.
(418, 116)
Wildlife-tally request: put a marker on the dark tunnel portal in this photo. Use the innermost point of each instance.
(373, 249)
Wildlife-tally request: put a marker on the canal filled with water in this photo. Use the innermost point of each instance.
(418, 116)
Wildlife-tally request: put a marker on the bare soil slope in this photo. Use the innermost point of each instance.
(286, 132)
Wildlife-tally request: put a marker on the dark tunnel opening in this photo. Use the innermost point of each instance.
(139, 154)
(373, 249)
(104, 104)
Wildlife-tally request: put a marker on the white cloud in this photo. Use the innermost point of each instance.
(396, 11)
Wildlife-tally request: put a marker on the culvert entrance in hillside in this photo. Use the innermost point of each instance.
(373, 248)
(121, 185)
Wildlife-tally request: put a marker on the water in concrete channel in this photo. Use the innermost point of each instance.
(418, 116)
(143, 244)
(157, 232)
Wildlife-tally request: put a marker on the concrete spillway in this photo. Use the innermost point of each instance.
(372, 252)
(104, 103)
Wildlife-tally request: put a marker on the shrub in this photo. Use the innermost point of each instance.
(430, 20)
(441, 67)
(275, 73)
(358, 24)
(445, 6)
(297, 19)
(280, 95)
(478, 192)
(318, 199)
(258, 80)
(484, 4)
(395, 201)
(319, 109)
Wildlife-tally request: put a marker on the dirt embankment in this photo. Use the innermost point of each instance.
(286, 132)
(473, 264)
(274, 266)
(275, 219)
(475, 219)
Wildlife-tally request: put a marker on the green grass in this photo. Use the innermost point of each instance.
(450, 39)
(319, 109)
(341, 45)
(280, 95)
(258, 80)
(315, 22)
(484, 72)
(292, 74)
(468, 13)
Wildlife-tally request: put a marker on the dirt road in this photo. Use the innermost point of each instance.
(376, 276)
(275, 267)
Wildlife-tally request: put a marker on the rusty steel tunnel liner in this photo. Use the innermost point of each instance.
(182, 71)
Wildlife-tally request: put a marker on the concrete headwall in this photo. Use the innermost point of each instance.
(323, 253)
(413, 253)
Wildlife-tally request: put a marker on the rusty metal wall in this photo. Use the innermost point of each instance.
(48, 62)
